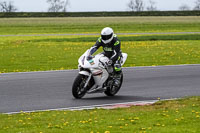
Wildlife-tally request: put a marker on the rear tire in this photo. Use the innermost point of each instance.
(78, 90)
(112, 91)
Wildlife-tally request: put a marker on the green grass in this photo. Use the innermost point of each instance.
(41, 53)
(21, 54)
(95, 24)
(178, 116)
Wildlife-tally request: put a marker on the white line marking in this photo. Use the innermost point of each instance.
(93, 106)
(122, 67)
(85, 107)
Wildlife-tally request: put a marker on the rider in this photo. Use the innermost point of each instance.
(112, 50)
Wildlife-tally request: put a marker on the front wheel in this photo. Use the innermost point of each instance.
(78, 89)
(112, 90)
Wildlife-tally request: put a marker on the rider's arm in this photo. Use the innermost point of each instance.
(95, 47)
(116, 52)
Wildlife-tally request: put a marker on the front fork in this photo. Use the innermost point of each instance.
(88, 79)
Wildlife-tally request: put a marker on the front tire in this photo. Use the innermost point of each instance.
(78, 90)
(111, 91)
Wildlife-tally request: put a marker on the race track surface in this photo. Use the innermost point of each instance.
(51, 90)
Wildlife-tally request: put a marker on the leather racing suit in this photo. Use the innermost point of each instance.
(111, 50)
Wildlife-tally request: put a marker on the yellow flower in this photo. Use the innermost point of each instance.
(107, 132)
(136, 118)
(158, 124)
(176, 119)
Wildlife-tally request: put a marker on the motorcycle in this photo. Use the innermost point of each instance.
(95, 76)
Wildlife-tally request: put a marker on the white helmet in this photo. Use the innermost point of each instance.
(107, 35)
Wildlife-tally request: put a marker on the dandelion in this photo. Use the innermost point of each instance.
(136, 118)
(62, 68)
(107, 132)
(182, 118)
(65, 123)
(176, 119)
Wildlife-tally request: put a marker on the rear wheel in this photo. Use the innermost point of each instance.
(78, 89)
(112, 90)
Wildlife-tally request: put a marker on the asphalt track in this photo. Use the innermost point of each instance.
(52, 89)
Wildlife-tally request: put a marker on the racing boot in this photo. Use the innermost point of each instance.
(117, 78)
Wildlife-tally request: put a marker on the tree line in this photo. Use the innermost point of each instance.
(139, 5)
(62, 6)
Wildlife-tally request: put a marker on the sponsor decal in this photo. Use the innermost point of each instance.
(107, 49)
(91, 62)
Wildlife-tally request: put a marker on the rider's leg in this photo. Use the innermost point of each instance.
(117, 72)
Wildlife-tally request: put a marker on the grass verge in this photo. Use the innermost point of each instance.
(95, 24)
(22, 54)
(176, 116)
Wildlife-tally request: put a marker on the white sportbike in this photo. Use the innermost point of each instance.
(95, 76)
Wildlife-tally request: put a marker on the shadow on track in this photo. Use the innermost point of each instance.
(119, 98)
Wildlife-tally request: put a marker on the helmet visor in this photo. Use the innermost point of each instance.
(106, 37)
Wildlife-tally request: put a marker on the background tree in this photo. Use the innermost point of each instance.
(58, 5)
(184, 7)
(66, 4)
(136, 5)
(151, 6)
(197, 5)
(7, 6)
